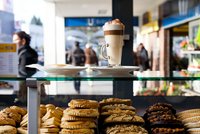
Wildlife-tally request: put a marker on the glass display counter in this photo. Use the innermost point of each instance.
(34, 86)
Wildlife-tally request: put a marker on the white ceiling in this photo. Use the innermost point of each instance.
(139, 6)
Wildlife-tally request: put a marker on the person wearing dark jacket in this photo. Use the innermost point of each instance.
(77, 57)
(26, 54)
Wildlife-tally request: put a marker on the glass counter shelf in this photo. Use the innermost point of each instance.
(137, 75)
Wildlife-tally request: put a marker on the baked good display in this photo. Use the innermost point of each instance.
(160, 118)
(80, 117)
(118, 116)
(8, 130)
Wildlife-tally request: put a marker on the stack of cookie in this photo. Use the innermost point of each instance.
(191, 120)
(80, 118)
(10, 118)
(161, 118)
(51, 120)
(118, 116)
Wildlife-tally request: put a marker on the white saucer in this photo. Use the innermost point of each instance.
(116, 70)
(58, 69)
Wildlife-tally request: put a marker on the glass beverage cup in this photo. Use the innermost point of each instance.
(114, 35)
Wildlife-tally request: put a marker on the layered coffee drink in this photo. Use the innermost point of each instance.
(113, 33)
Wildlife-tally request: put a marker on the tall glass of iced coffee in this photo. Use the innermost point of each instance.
(113, 34)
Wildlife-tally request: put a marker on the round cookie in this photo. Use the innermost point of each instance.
(194, 131)
(163, 130)
(185, 112)
(77, 131)
(78, 125)
(82, 103)
(81, 112)
(117, 106)
(118, 111)
(76, 118)
(161, 107)
(123, 118)
(109, 101)
(124, 129)
(8, 130)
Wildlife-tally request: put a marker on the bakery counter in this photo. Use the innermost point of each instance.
(139, 114)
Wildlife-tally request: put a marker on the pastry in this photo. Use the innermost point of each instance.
(185, 112)
(82, 103)
(51, 121)
(49, 130)
(110, 101)
(163, 130)
(188, 115)
(19, 110)
(7, 121)
(194, 131)
(50, 114)
(8, 130)
(77, 131)
(161, 107)
(15, 117)
(75, 118)
(48, 126)
(50, 107)
(82, 112)
(125, 129)
(11, 113)
(118, 111)
(24, 123)
(191, 119)
(43, 111)
(123, 118)
(58, 111)
(22, 130)
(78, 124)
(117, 106)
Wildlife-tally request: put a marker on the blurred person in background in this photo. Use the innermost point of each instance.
(91, 56)
(142, 61)
(91, 59)
(26, 56)
(77, 58)
(142, 58)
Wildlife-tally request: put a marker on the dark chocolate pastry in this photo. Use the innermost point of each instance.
(161, 107)
(163, 130)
